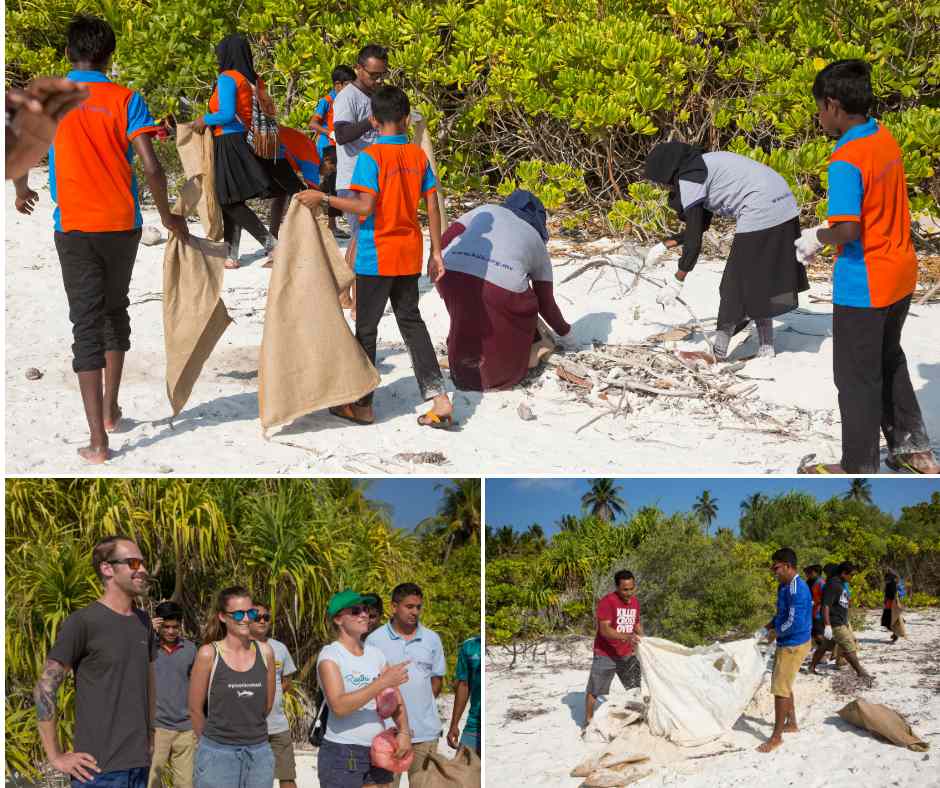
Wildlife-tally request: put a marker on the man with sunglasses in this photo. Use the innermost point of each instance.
(791, 627)
(352, 126)
(111, 650)
(279, 737)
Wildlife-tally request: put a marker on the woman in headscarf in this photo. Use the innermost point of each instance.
(762, 276)
(241, 175)
(891, 615)
(498, 281)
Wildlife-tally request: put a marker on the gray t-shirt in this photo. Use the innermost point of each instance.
(110, 655)
(364, 724)
(173, 670)
(740, 188)
(499, 247)
(283, 666)
(351, 105)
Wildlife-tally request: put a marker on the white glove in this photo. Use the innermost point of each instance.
(761, 634)
(655, 254)
(668, 295)
(808, 244)
(827, 633)
(567, 342)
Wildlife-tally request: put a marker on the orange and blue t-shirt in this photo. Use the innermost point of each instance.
(867, 185)
(324, 111)
(301, 153)
(399, 174)
(230, 104)
(91, 174)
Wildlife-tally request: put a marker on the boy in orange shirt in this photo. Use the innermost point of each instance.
(98, 221)
(391, 176)
(874, 277)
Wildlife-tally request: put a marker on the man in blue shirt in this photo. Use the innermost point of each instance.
(792, 627)
(403, 639)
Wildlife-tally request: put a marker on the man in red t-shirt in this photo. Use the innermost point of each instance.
(618, 628)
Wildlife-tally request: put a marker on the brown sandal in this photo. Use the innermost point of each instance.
(347, 413)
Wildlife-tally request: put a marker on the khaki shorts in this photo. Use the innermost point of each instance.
(283, 747)
(844, 638)
(786, 666)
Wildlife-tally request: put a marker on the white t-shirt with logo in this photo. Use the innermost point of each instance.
(364, 724)
(283, 666)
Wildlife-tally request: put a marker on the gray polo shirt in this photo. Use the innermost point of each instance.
(427, 659)
(351, 105)
(172, 672)
(740, 188)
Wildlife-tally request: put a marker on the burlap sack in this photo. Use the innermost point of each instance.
(897, 620)
(194, 317)
(310, 360)
(544, 347)
(196, 155)
(436, 771)
(884, 722)
(423, 140)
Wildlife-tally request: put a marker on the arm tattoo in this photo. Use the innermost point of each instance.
(44, 694)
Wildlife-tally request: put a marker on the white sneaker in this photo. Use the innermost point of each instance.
(766, 351)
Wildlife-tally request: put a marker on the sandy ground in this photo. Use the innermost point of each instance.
(219, 431)
(549, 692)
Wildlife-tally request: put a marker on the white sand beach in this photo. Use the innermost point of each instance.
(533, 713)
(219, 431)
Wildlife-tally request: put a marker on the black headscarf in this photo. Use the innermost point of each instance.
(234, 54)
(669, 162)
(529, 208)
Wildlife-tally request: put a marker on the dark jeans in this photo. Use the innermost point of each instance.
(126, 778)
(875, 390)
(372, 294)
(235, 217)
(96, 272)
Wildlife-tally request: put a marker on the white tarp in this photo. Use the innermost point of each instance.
(697, 694)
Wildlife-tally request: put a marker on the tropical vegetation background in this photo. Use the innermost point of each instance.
(696, 585)
(292, 542)
(561, 96)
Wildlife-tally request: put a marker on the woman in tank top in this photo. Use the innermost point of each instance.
(351, 675)
(231, 692)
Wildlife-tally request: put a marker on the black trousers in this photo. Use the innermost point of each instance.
(372, 294)
(236, 216)
(96, 272)
(875, 390)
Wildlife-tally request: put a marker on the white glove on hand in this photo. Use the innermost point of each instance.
(761, 634)
(827, 633)
(808, 244)
(655, 254)
(668, 295)
(567, 342)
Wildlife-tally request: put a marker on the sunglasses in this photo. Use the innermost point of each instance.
(132, 563)
(356, 610)
(239, 615)
(375, 74)
(266, 617)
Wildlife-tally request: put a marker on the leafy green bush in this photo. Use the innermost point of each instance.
(564, 96)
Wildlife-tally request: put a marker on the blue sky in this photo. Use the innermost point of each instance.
(411, 499)
(521, 502)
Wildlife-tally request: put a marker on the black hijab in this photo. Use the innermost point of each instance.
(234, 54)
(669, 162)
(529, 208)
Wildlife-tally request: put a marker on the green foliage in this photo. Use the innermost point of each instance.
(293, 543)
(561, 97)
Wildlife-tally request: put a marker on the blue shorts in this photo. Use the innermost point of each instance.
(348, 766)
(233, 765)
(125, 778)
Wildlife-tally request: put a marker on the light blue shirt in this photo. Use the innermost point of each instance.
(283, 668)
(426, 654)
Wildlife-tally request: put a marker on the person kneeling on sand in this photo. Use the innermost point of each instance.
(835, 607)
(618, 629)
(791, 627)
(762, 277)
(499, 280)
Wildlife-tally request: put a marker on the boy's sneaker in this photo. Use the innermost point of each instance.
(766, 351)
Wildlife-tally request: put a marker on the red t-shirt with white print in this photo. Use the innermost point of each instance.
(623, 617)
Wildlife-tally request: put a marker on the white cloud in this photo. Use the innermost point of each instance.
(554, 485)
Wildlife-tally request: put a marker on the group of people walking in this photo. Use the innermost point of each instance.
(150, 701)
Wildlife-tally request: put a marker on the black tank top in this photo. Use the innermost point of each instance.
(237, 703)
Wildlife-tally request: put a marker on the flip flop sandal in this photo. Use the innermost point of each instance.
(899, 465)
(436, 422)
(346, 413)
(807, 466)
(232, 265)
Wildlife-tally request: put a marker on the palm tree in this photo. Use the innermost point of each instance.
(860, 490)
(603, 500)
(458, 517)
(534, 537)
(569, 522)
(706, 508)
(753, 504)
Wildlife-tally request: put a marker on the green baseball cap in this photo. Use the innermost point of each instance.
(342, 600)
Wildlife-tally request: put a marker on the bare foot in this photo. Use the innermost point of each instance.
(268, 263)
(770, 744)
(111, 424)
(920, 461)
(791, 727)
(232, 264)
(96, 455)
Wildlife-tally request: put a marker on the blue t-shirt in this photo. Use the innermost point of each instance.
(794, 620)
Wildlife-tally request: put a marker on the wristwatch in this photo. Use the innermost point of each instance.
(325, 200)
